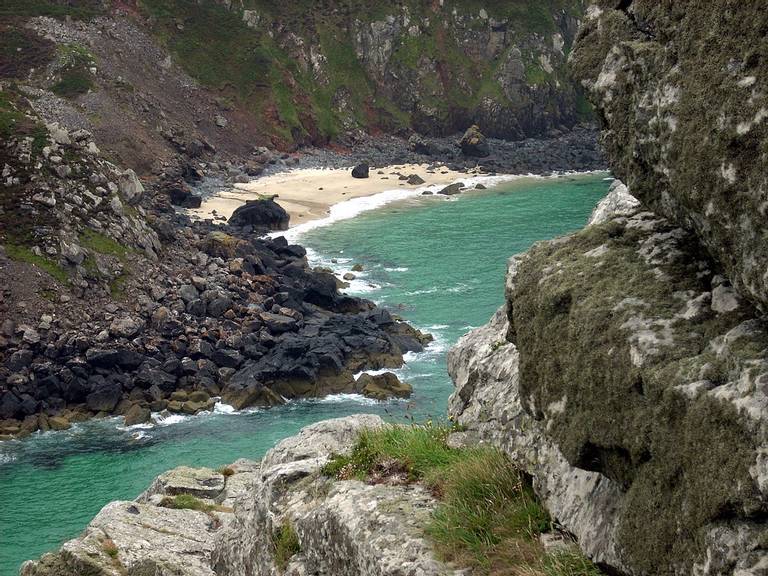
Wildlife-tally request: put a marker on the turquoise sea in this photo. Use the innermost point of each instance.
(437, 262)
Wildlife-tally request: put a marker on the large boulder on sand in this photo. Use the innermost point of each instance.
(360, 171)
(474, 143)
(264, 214)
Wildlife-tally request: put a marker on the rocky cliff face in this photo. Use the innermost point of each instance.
(687, 127)
(627, 371)
(227, 75)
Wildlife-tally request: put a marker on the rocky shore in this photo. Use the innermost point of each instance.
(114, 303)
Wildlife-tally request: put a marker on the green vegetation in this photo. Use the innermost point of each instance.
(76, 78)
(488, 518)
(102, 244)
(10, 116)
(286, 544)
(627, 419)
(81, 9)
(24, 254)
(110, 548)
(190, 502)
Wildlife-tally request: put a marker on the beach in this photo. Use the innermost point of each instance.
(308, 194)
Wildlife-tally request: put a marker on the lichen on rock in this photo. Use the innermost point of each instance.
(612, 366)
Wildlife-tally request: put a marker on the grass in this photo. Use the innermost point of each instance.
(103, 244)
(190, 502)
(24, 254)
(285, 543)
(488, 518)
(110, 548)
(81, 10)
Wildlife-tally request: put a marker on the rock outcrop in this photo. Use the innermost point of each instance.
(687, 130)
(237, 521)
(616, 376)
(627, 371)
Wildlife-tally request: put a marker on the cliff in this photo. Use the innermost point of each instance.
(151, 78)
(626, 372)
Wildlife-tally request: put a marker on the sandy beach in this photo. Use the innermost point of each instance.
(308, 194)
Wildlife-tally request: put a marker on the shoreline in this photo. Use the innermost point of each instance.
(321, 196)
(310, 194)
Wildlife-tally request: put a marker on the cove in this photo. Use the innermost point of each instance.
(439, 263)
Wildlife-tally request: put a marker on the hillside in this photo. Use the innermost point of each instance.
(152, 77)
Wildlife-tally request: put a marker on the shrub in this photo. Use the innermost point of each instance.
(286, 544)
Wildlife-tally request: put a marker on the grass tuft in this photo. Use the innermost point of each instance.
(110, 548)
(286, 544)
(23, 254)
(488, 519)
(226, 471)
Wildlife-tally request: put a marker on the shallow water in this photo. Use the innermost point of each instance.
(435, 261)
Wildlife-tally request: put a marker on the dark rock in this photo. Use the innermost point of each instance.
(227, 358)
(415, 180)
(361, 171)
(474, 143)
(263, 214)
(120, 357)
(452, 189)
(104, 397)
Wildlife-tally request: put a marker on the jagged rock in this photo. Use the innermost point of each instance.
(104, 398)
(199, 482)
(382, 386)
(601, 383)
(265, 214)
(336, 537)
(474, 143)
(360, 171)
(131, 188)
(415, 180)
(344, 527)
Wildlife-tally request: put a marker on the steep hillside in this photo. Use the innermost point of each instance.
(151, 78)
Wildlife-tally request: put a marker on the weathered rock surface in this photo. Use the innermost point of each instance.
(637, 406)
(687, 131)
(343, 527)
(145, 537)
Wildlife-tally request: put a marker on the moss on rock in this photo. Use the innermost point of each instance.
(636, 376)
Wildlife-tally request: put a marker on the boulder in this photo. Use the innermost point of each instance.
(104, 397)
(131, 188)
(382, 386)
(415, 180)
(263, 214)
(452, 189)
(180, 195)
(360, 171)
(474, 143)
(137, 414)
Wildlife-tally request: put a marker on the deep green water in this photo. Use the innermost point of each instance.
(438, 263)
